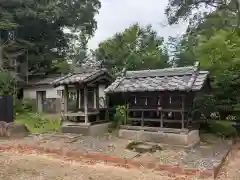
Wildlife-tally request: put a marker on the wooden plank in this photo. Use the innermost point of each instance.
(183, 99)
(142, 119)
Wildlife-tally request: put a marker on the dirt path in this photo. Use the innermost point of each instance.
(231, 169)
(42, 167)
(19, 166)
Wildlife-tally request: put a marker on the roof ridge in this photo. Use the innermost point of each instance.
(169, 68)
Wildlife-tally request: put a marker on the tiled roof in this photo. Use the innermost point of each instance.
(168, 79)
(80, 77)
(42, 81)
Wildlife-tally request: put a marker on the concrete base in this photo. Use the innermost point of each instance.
(85, 129)
(187, 140)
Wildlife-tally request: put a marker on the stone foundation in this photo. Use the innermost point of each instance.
(85, 129)
(189, 139)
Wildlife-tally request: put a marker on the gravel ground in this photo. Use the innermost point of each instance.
(14, 165)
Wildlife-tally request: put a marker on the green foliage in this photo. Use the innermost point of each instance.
(134, 49)
(204, 104)
(6, 83)
(222, 128)
(37, 124)
(40, 28)
(25, 106)
(119, 117)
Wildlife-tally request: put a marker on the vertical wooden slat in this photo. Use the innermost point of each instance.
(78, 99)
(107, 108)
(65, 95)
(142, 120)
(126, 110)
(97, 102)
(183, 109)
(86, 104)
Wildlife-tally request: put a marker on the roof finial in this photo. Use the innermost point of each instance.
(123, 72)
(197, 64)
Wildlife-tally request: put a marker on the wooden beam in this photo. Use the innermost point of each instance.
(65, 98)
(86, 104)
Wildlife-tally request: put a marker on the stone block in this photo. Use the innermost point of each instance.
(184, 140)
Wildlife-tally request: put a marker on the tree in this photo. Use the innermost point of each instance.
(220, 54)
(134, 49)
(178, 9)
(39, 27)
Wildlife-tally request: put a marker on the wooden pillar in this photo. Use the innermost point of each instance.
(86, 103)
(107, 108)
(161, 119)
(183, 110)
(97, 102)
(65, 97)
(126, 109)
(142, 119)
(94, 98)
(77, 100)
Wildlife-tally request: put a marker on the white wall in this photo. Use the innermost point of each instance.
(51, 92)
(102, 87)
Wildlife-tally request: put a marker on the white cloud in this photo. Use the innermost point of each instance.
(117, 15)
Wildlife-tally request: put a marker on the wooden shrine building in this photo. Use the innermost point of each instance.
(90, 107)
(158, 100)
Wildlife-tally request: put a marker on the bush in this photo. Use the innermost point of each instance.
(37, 124)
(25, 105)
(222, 128)
(119, 117)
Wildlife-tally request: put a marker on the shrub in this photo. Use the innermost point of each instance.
(222, 128)
(25, 105)
(37, 124)
(119, 117)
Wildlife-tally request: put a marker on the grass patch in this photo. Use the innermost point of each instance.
(36, 123)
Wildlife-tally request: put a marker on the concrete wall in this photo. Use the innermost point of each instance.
(185, 140)
(51, 92)
(102, 95)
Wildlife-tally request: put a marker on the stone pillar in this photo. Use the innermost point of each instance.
(65, 98)
(86, 104)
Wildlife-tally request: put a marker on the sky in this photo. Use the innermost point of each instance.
(117, 15)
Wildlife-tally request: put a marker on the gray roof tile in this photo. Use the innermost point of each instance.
(169, 79)
(80, 77)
